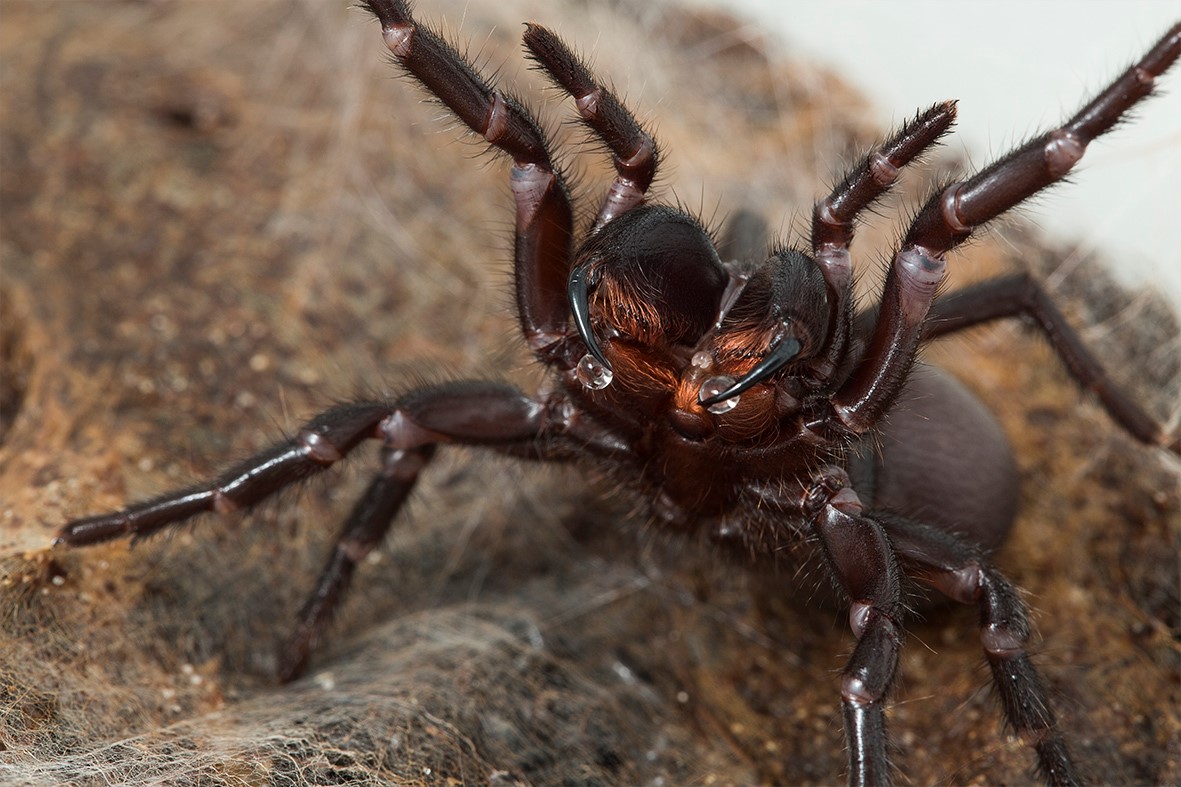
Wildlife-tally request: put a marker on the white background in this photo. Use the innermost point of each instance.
(1018, 68)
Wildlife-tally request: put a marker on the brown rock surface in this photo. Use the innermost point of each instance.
(217, 217)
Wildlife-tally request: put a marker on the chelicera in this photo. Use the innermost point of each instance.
(735, 391)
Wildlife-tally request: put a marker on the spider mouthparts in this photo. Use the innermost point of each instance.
(787, 349)
(578, 292)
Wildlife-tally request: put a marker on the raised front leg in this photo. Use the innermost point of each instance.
(633, 150)
(834, 220)
(544, 225)
(949, 218)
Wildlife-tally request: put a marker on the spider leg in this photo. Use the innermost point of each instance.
(863, 560)
(544, 221)
(322, 442)
(366, 528)
(960, 571)
(633, 150)
(494, 416)
(949, 219)
(470, 413)
(834, 220)
(1020, 295)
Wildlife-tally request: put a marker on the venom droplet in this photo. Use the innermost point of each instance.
(593, 374)
(714, 386)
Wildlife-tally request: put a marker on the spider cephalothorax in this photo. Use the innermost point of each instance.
(740, 398)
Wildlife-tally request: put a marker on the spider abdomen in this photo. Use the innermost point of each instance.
(942, 458)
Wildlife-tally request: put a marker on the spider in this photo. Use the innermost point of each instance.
(737, 392)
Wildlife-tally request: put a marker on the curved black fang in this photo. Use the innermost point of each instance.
(577, 291)
(775, 360)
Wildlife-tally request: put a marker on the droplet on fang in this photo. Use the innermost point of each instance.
(714, 386)
(593, 374)
(701, 360)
